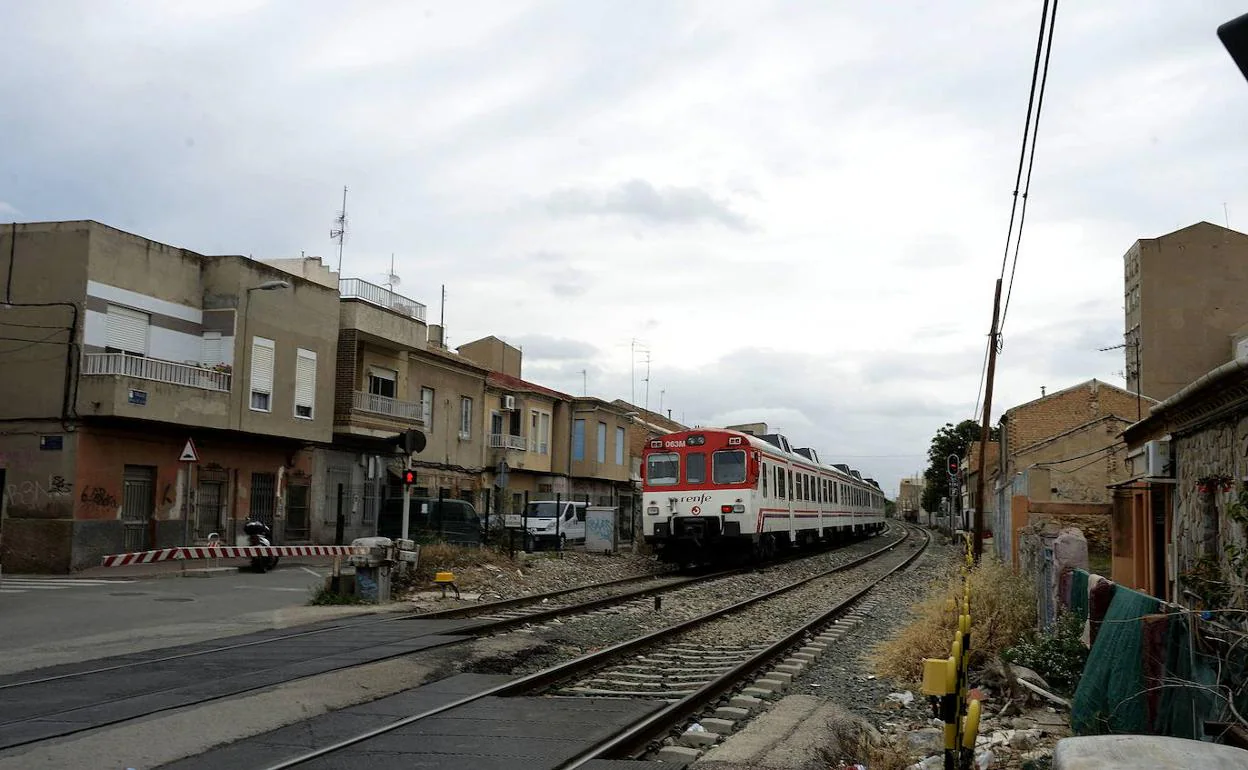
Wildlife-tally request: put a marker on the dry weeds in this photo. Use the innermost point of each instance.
(1003, 609)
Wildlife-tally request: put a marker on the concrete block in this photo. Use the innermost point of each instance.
(719, 726)
(805, 657)
(792, 666)
(745, 702)
(771, 685)
(758, 693)
(732, 712)
(695, 739)
(780, 676)
(678, 754)
(815, 649)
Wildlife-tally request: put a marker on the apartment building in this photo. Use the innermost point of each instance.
(152, 395)
(1186, 297)
(600, 462)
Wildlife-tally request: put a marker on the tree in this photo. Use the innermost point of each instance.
(950, 439)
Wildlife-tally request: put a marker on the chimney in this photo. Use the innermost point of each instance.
(1042, 390)
(436, 336)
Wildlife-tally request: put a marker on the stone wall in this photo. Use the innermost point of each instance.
(1201, 525)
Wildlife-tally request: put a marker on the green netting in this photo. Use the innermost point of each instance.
(1079, 594)
(1108, 699)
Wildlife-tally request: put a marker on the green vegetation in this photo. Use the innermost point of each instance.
(1058, 655)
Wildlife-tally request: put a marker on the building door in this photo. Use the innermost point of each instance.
(298, 518)
(210, 500)
(1157, 502)
(138, 504)
(263, 497)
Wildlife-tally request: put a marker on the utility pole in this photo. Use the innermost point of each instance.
(340, 232)
(985, 430)
(647, 380)
(632, 376)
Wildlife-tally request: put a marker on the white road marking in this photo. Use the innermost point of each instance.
(311, 571)
(11, 585)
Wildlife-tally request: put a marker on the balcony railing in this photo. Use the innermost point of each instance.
(354, 288)
(539, 447)
(404, 410)
(506, 441)
(156, 370)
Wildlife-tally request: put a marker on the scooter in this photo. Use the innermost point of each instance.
(258, 533)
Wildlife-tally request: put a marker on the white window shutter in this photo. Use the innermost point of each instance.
(127, 329)
(211, 355)
(305, 378)
(262, 365)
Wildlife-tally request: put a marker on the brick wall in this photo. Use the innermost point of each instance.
(1049, 416)
(344, 384)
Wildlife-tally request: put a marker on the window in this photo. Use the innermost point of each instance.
(695, 468)
(210, 354)
(426, 404)
(383, 382)
(728, 466)
(663, 469)
(127, 330)
(602, 442)
(496, 423)
(780, 483)
(619, 446)
(465, 417)
(764, 476)
(533, 430)
(543, 436)
(790, 487)
(578, 440)
(305, 383)
(261, 374)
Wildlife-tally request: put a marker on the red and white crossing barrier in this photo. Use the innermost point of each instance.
(230, 552)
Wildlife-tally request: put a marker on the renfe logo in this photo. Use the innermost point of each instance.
(693, 499)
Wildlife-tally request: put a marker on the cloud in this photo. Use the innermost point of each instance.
(640, 199)
(800, 210)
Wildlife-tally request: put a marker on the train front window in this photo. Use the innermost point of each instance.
(728, 466)
(663, 469)
(695, 468)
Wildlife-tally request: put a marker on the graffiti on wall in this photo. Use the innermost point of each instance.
(98, 498)
(29, 494)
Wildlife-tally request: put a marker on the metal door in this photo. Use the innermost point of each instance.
(209, 502)
(297, 515)
(138, 503)
(263, 497)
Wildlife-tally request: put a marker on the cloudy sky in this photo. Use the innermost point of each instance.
(798, 208)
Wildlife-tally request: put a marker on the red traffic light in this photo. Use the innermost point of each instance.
(409, 478)
(954, 465)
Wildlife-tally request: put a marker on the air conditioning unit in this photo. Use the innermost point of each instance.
(509, 403)
(1157, 459)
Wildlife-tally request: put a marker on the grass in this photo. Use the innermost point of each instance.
(322, 596)
(1003, 611)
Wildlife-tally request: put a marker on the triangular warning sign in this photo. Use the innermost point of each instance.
(189, 455)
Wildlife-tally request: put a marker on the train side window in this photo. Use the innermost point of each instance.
(780, 483)
(763, 476)
(790, 485)
(695, 468)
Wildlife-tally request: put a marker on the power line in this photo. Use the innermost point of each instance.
(1022, 217)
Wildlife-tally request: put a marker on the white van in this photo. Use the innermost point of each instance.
(545, 528)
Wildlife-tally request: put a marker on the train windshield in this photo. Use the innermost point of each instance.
(663, 469)
(728, 467)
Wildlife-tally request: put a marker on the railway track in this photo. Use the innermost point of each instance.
(715, 670)
(65, 700)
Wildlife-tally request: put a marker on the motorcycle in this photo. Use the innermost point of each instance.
(258, 533)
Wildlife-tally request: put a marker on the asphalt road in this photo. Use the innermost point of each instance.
(53, 620)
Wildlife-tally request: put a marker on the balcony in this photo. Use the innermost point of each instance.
(507, 441)
(119, 385)
(391, 407)
(540, 447)
(354, 288)
(155, 370)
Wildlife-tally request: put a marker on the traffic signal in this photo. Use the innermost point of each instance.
(1234, 37)
(414, 442)
(409, 478)
(953, 465)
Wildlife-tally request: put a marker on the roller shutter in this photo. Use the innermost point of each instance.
(127, 330)
(305, 382)
(262, 365)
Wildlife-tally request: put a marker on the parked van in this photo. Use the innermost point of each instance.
(448, 520)
(543, 519)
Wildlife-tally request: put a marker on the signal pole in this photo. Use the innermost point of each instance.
(984, 431)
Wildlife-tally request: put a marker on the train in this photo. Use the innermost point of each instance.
(721, 493)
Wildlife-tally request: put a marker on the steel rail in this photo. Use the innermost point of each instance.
(541, 679)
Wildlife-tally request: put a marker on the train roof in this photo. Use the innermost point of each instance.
(776, 443)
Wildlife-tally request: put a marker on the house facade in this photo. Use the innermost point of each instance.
(182, 392)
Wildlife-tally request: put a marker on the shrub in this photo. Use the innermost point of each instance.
(1003, 610)
(1058, 655)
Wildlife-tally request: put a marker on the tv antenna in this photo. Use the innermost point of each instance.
(339, 233)
(392, 278)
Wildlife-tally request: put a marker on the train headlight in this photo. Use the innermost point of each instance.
(738, 508)
(653, 510)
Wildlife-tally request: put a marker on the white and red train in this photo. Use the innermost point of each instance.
(717, 492)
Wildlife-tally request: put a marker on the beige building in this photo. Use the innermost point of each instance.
(124, 350)
(910, 498)
(1186, 297)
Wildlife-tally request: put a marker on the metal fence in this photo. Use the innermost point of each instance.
(354, 288)
(156, 370)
